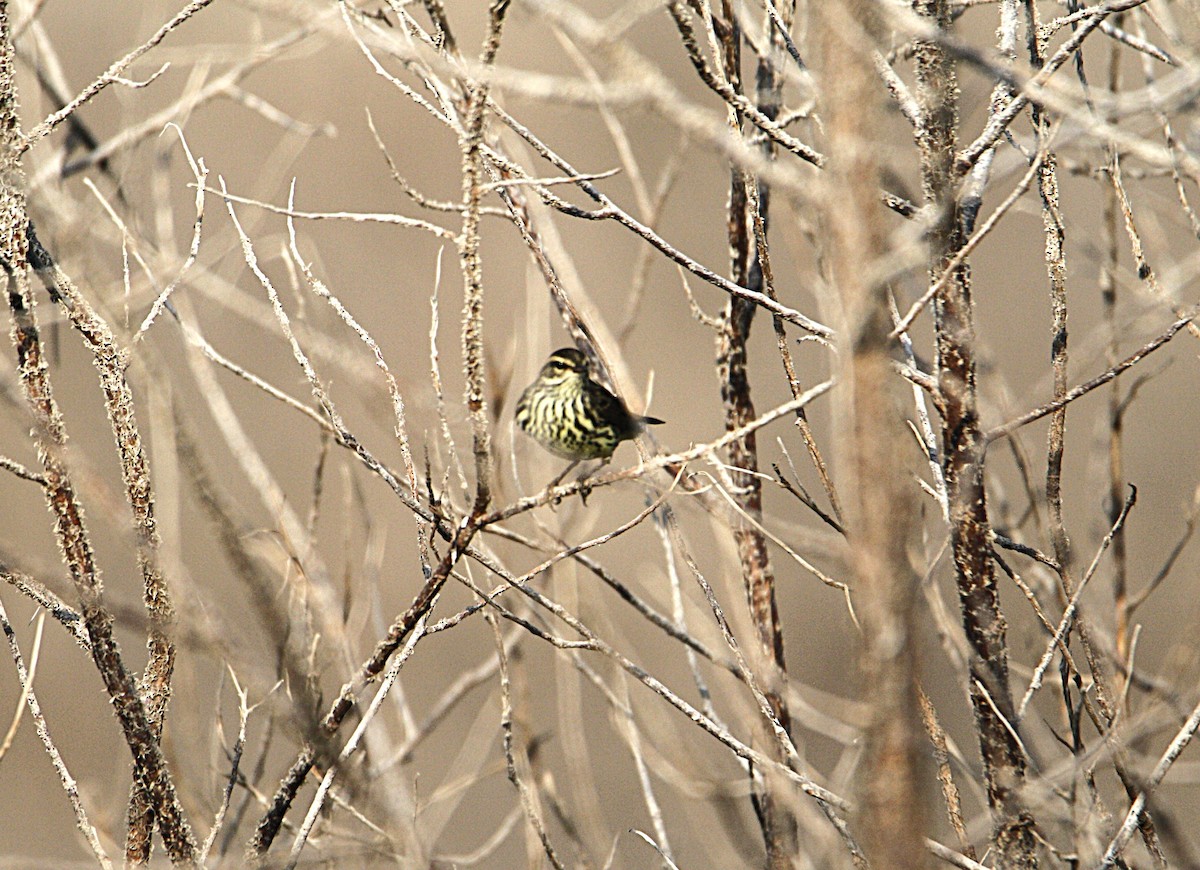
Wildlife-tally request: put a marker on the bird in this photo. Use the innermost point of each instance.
(574, 417)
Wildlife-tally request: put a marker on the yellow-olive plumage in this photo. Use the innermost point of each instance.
(571, 415)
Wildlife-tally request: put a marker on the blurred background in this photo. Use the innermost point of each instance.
(280, 96)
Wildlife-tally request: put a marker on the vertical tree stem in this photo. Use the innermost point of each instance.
(151, 776)
(472, 170)
(893, 811)
(963, 452)
(777, 821)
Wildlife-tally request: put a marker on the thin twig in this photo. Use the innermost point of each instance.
(110, 76)
(1068, 616)
(1182, 738)
(1083, 389)
(35, 711)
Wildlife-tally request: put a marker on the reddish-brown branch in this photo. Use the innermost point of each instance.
(963, 452)
(135, 471)
(778, 823)
(268, 826)
(151, 777)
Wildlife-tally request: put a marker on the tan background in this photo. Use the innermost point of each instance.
(386, 275)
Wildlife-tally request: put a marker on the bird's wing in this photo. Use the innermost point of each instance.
(612, 409)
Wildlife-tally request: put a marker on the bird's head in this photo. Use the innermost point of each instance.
(564, 365)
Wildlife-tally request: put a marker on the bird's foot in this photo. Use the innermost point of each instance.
(585, 486)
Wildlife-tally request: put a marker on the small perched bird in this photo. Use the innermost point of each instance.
(571, 415)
